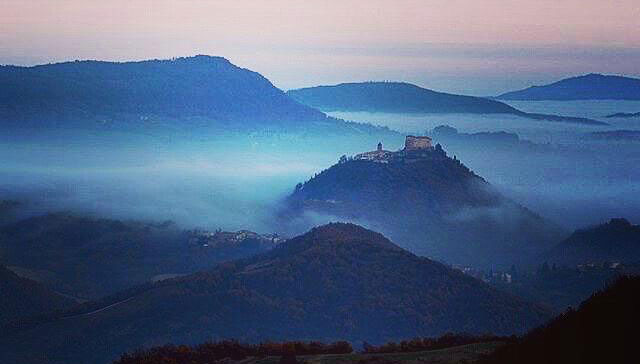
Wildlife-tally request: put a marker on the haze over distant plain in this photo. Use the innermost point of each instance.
(479, 48)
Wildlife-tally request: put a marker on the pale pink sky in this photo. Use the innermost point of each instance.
(478, 46)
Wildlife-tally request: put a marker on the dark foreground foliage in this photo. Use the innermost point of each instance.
(231, 349)
(428, 343)
(602, 330)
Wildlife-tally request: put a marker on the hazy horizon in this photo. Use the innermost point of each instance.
(469, 48)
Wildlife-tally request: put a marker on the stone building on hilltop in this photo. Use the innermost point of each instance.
(379, 155)
(412, 143)
(415, 147)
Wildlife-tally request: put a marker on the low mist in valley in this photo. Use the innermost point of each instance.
(206, 179)
(234, 180)
(557, 169)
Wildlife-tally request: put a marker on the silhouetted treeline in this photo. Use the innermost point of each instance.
(427, 343)
(604, 329)
(212, 351)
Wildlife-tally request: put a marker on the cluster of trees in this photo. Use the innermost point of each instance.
(424, 344)
(214, 351)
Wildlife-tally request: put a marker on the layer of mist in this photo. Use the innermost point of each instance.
(210, 180)
(235, 180)
(556, 169)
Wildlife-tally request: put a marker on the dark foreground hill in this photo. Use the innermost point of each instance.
(432, 205)
(400, 97)
(615, 241)
(588, 87)
(336, 282)
(91, 257)
(21, 297)
(602, 330)
(183, 92)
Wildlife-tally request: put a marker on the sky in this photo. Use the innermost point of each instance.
(478, 47)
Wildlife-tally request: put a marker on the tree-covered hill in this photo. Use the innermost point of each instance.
(614, 241)
(324, 285)
(195, 86)
(432, 206)
(201, 90)
(394, 97)
(602, 330)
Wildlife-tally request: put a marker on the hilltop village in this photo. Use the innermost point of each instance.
(416, 148)
(221, 238)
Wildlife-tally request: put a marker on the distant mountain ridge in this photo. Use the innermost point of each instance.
(401, 97)
(618, 135)
(193, 86)
(190, 90)
(326, 284)
(448, 133)
(624, 115)
(393, 97)
(588, 87)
